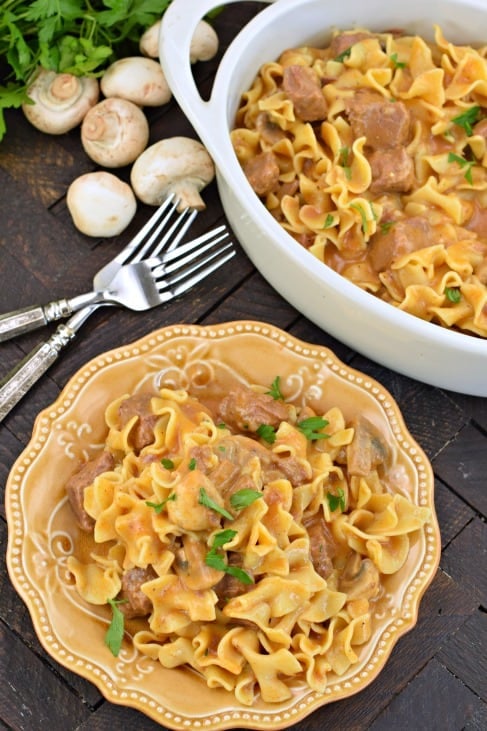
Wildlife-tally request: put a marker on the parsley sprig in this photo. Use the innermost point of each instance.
(311, 428)
(73, 36)
(468, 118)
(158, 507)
(114, 633)
(275, 389)
(216, 559)
(336, 500)
(466, 165)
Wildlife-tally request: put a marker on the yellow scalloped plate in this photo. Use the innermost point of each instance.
(206, 361)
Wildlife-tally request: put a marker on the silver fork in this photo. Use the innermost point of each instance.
(158, 234)
(141, 286)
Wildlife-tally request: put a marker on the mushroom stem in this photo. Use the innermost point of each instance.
(178, 165)
(60, 100)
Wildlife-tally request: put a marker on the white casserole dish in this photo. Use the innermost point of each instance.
(405, 343)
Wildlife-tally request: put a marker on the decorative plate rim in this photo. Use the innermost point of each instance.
(233, 715)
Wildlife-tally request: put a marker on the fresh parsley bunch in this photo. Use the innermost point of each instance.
(74, 36)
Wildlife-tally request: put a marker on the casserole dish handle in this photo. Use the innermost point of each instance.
(178, 24)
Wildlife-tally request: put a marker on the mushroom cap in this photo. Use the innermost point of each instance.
(114, 132)
(138, 79)
(177, 165)
(100, 204)
(204, 44)
(60, 100)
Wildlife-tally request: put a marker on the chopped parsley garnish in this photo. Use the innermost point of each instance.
(192, 464)
(167, 463)
(275, 389)
(343, 55)
(453, 294)
(222, 537)
(216, 560)
(267, 433)
(344, 161)
(205, 499)
(244, 497)
(452, 157)
(309, 427)
(363, 214)
(336, 500)
(329, 221)
(158, 507)
(397, 64)
(468, 118)
(114, 633)
(386, 226)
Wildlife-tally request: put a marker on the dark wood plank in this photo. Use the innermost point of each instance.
(452, 512)
(429, 694)
(462, 465)
(464, 653)
(465, 559)
(32, 697)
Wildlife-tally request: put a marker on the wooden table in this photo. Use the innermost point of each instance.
(436, 676)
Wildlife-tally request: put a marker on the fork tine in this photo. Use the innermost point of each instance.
(171, 254)
(195, 253)
(181, 279)
(199, 276)
(171, 236)
(140, 237)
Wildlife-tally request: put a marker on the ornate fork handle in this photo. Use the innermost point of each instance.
(23, 321)
(16, 384)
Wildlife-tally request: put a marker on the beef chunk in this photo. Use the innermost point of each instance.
(75, 487)
(230, 586)
(384, 124)
(303, 87)
(292, 469)
(142, 433)
(137, 604)
(322, 545)
(481, 128)
(402, 238)
(343, 41)
(478, 220)
(262, 172)
(246, 410)
(392, 171)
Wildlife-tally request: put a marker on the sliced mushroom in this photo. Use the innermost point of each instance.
(114, 132)
(360, 578)
(177, 165)
(60, 101)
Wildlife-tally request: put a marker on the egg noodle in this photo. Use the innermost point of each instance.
(263, 549)
(399, 210)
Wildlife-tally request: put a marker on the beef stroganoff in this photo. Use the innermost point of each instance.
(372, 154)
(250, 542)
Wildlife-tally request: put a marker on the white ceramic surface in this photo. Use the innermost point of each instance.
(405, 343)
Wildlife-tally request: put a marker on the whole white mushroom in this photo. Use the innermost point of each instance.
(114, 132)
(60, 100)
(203, 47)
(177, 165)
(101, 204)
(138, 79)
